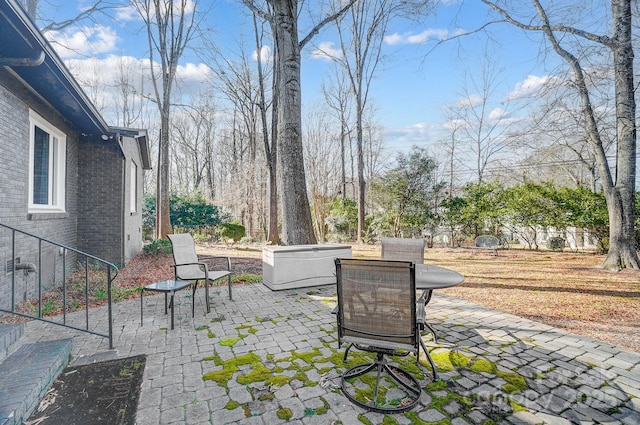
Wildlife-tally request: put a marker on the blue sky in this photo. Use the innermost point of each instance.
(413, 86)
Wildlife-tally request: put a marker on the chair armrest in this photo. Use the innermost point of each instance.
(188, 264)
(216, 257)
(202, 266)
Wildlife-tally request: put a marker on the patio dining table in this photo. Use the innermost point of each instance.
(430, 277)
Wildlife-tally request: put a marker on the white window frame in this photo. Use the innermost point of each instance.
(133, 188)
(56, 190)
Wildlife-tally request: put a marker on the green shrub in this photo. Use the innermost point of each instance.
(246, 240)
(186, 212)
(158, 247)
(228, 231)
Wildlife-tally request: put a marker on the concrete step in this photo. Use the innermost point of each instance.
(27, 374)
(9, 340)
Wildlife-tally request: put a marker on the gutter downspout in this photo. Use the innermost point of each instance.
(124, 220)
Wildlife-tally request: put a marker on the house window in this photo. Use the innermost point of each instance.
(47, 159)
(133, 190)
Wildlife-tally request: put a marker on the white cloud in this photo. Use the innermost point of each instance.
(415, 134)
(101, 79)
(265, 54)
(498, 114)
(467, 102)
(127, 14)
(531, 86)
(427, 35)
(86, 41)
(421, 38)
(192, 72)
(393, 39)
(326, 51)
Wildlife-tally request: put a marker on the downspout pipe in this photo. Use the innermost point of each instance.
(27, 267)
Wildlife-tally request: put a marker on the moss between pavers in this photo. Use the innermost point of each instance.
(515, 383)
(250, 329)
(415, 420)
(229, 342)
(229, 367)
(297, 364)
(231, 405)
(484, 366)
(284, 414)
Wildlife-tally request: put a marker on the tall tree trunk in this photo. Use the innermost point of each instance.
(297, 224)
(165, 189)
(619, 191)
(169, 30)
(620, 198)
(361, 181)
(274, 234)
(269, 148)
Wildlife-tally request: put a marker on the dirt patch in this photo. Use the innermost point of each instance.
(104, 393)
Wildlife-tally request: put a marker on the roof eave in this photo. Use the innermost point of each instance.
(73, 102)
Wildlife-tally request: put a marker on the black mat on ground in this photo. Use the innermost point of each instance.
(94, 394)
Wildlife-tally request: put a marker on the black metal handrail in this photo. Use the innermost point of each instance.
(111, 271)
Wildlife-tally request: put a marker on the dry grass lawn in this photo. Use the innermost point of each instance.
(567, 290)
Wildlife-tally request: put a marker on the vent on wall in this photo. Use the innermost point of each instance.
(9, 268)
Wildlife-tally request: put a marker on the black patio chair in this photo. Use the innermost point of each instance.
(377, 313)
(403, 249)
(408, 249)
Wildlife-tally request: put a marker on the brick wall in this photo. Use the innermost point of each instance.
(100, 201)
(15, 103)
(132, 221)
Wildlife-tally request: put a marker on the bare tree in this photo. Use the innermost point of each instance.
(557, 134)
(282, 16)
(336, 94)
(361, 33)
(129, 100)
(482, 130)
(49, 24)
(193, 134)
(270, 147)
(619, 190)
(170, 27)
(322, 164)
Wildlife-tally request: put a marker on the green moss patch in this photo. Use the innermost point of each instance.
(515, 383)
(484, 366)
(284, 414)
(229, 367)
(231, 405)
(229, 342)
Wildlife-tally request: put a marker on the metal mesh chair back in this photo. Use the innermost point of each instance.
(184, 252)
(377, 304)
(403, 249)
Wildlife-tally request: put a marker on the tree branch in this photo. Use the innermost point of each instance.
(602, 39)
(315, 30)
(255, 9)
(96, 7)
